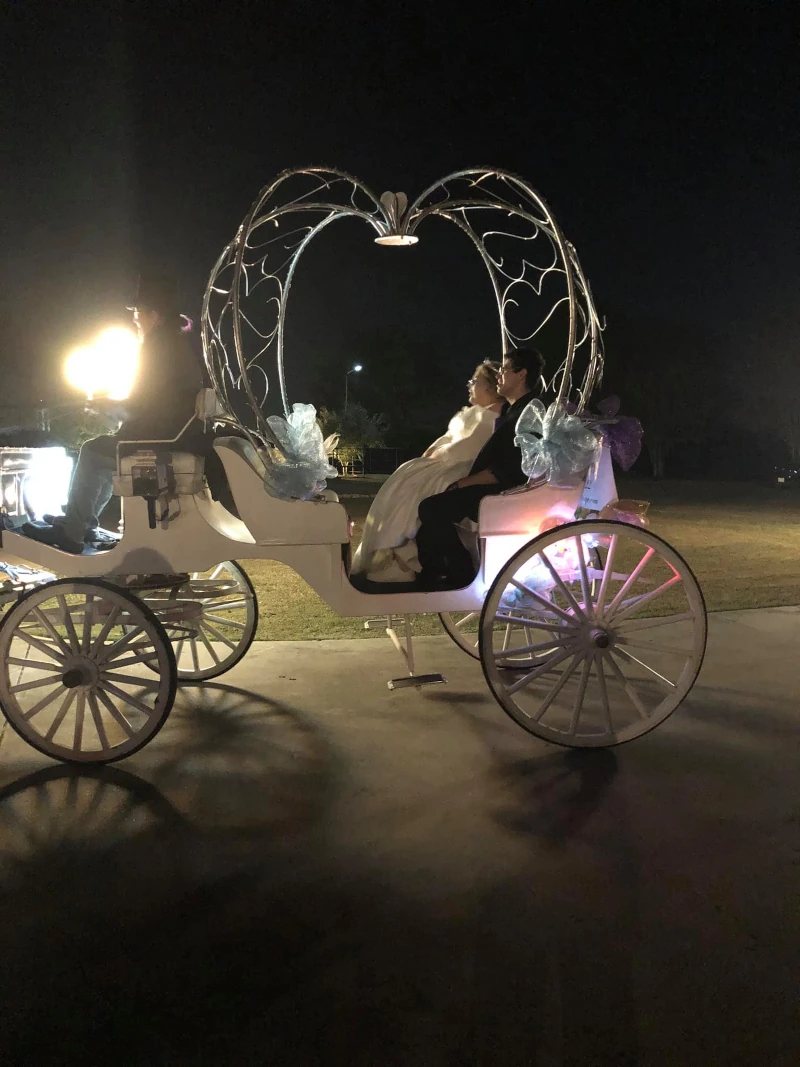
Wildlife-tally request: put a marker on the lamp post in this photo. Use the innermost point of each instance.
(355, 369)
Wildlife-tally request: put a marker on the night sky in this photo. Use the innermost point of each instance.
(665, 137)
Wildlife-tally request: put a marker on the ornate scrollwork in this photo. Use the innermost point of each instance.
(535, 274)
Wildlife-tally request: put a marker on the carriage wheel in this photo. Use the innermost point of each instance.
(462, 627)
(590, 656)
(225, 628)
(77, 660)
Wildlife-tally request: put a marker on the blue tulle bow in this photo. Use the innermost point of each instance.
(301, 472)
(553, 443)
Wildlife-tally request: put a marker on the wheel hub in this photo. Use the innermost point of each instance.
(600, 638)
(80, 671)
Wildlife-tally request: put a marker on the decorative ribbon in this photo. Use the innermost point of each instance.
(301, 472)
(623, 432)
(554, 443)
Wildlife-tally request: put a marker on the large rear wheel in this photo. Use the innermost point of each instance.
(586, 655)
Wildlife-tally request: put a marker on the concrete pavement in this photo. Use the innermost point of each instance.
(305, 868)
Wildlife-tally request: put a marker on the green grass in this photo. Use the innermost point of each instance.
(741, 540)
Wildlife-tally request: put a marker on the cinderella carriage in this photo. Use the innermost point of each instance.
(590, 632)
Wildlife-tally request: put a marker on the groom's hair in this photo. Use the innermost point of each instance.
(531, 361)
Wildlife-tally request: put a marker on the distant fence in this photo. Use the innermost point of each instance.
(376, 461)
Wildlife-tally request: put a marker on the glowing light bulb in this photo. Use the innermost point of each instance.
(108, 367)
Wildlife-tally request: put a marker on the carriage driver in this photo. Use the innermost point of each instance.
(446, 563)
(161, 403)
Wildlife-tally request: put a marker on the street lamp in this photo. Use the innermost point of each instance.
(355, 369)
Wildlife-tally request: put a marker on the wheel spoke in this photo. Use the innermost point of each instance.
(99, 725)
(577, 706)
(645, 598)
(43, 703)
(562, 681)
(38, 664)
(211, 650)
(607, 571)
(547, 604)
(632, 578)
(601, 679)
(228, 622)
(69, 626)
(88, 622)
(560, 583)
(220, 637)
(652, 670)
(80, 711)
(467, 618)
(195, 658)
(54, 634)
(116, 714)
(631, 693)
(53, 679)
(108, 687)
(127, 679)
(545, 646)
(587, 593)
(232, 605)
(61, 714)
(137, 660)
(557, 627)
(105, 630)
(539, 670)
(119, 646)
(216, 572)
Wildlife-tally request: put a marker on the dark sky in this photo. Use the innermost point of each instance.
(665, 136)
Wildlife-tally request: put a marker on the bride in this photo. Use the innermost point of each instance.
(387, 552)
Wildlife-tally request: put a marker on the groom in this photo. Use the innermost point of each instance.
(446, 563)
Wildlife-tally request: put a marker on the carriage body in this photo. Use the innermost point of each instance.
(559, 612)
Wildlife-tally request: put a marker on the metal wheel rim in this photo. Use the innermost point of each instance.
(531, 686)
(452, 621)
(209, 651)
(68, 683)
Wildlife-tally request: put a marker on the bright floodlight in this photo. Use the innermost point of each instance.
(46, 483)
(106, 368)
(397, 240)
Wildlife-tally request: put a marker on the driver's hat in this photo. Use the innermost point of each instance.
(156, 292)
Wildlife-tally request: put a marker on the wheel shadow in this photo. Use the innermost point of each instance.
(231, 759)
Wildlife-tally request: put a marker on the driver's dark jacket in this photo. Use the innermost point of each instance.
(166, 387)
(500, 455)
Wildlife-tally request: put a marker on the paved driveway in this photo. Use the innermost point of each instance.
(305, 868)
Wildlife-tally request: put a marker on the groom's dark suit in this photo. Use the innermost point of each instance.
(443, 557)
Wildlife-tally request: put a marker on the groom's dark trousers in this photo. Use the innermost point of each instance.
(440, 550)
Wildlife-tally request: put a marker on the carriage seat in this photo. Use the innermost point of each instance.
(274, 519)
(254, 459)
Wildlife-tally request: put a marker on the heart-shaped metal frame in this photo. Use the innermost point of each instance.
(533, 269)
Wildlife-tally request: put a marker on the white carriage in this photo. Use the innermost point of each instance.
(590, 632)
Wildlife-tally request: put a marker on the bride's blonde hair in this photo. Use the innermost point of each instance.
(490, 372)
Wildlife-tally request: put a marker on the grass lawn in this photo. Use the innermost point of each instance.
(741, 540)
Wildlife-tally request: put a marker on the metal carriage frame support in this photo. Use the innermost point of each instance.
(236, 346)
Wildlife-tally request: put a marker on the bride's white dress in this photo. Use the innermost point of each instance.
(387, 552)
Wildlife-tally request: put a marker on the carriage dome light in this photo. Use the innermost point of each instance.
(107, 367)
(397, 240)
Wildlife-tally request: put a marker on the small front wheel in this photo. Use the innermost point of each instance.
(212, 638)
(77, 665)
(592, 634)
